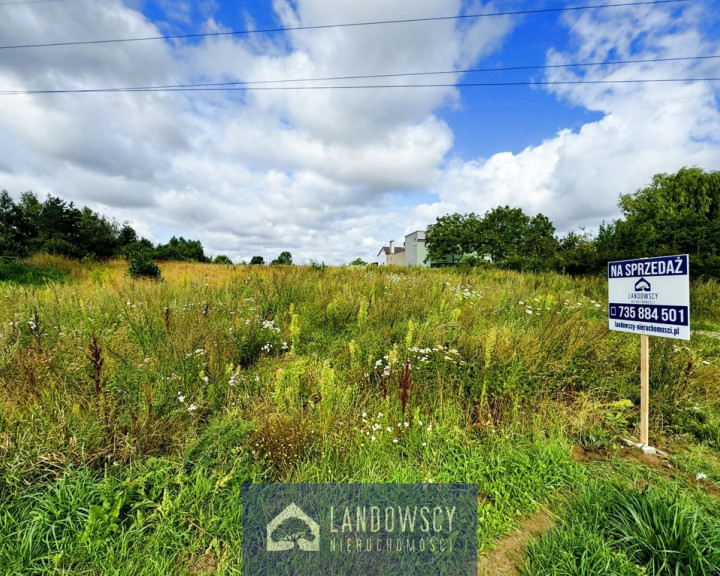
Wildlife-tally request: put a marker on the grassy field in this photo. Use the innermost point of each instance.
(132, 411)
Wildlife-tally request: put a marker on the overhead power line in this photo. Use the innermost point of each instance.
(344, 25)
(251, 83)
(354, 87)
(21, 3)
(438, 72)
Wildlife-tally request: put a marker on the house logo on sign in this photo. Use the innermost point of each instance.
(642, 285)
(292, 526)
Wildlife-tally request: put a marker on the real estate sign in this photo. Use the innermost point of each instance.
(650, 296)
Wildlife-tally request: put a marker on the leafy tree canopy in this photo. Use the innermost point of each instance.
(58, 227)
(504, 234)
(675, 214)
(222, 259)
(283, 258)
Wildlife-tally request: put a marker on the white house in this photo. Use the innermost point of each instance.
(391, 256)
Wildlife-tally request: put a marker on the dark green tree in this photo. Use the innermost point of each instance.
(577, 254)
(676, 213)
(96, 235)
(12, 228)
(507, 235)
(181, 249)
(222, 259)
(502, 233)
(257, 260)
(283, 258)
(450, 237)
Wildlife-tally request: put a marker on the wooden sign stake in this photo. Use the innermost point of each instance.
(644, 387)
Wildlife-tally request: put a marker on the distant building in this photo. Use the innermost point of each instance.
(414, 253)
(391, 256)
(415, 250)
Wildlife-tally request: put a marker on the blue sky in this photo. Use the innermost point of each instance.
(332, 175)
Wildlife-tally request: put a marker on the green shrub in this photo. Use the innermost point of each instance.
(143, 267)
(222, 259)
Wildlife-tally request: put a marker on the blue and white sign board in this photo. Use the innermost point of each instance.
(650, 296)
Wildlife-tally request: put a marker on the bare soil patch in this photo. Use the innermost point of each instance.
(205, 565)
(510, 550)
(650, 460)
(584, 455)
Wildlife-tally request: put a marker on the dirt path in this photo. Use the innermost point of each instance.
(509, 554)
(510, 551)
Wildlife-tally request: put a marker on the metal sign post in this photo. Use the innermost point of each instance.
(649, 296)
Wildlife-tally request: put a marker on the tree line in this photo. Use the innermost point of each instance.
(56, 226)
(675, 214)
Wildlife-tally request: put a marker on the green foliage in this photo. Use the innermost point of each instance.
(221, 444)
(578, 254)
(55, 226)
(182, 250)
(507, 236)
(358, 262)
(285, 258)
(616, 530)
(13, 228)
(450, 237)
(19, 273)
(142, 266)
(664, 535)
(148, 520)
(222, 259)
(576, 551)
(675, 214)
(257, 260)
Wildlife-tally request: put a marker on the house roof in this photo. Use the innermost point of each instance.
(386, 249)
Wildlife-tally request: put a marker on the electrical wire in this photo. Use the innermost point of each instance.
(250, 83)
(354, 87)
(19, 3)
(345, 25)
(434, 72)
